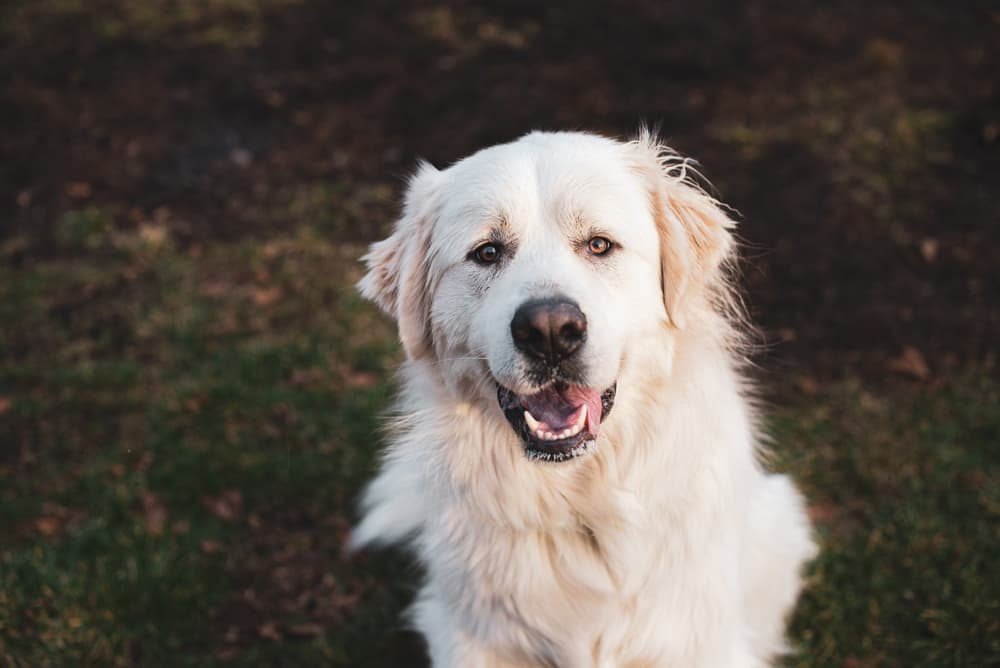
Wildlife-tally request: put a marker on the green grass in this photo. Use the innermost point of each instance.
(185, 429)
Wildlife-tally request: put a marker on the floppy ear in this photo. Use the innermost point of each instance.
(695, 238)
(397, 278)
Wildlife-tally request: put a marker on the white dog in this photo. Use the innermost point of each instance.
(574, 459)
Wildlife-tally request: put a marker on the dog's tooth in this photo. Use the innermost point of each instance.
(581, 418)
(532, 423)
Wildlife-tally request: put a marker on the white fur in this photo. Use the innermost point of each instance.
(668, 545)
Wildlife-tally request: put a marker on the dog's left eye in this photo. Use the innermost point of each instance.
(599, 246)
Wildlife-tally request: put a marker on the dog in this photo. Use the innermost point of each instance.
(574, 455)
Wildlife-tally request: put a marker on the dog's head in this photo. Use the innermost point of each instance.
(529, 270)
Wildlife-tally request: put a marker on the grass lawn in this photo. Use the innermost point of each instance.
(183, 431)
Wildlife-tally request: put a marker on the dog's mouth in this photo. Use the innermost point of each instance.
(560, 421)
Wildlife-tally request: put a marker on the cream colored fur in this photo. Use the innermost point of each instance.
(668, 545)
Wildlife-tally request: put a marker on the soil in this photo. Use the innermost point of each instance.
(866, 232)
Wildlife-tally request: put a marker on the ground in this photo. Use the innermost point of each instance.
(190, 388)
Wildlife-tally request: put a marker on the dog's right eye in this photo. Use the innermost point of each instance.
(487, 253)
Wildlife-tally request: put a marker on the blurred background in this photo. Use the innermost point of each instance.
(190, 389)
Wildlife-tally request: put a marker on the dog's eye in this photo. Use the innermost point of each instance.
(487, 253)
(599, 246)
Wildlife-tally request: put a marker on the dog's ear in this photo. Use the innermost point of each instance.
(694, 229)
(397, 277)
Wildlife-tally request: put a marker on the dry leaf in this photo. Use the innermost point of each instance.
(136, 215)
(209, 546)
(265, 296)
(48, 526)
(787, 334)
(884, 52)
(269, 631)
(910, 363)
(990, 132)
(808, 385)
(154, 513)
(227, 653)
(154, 235)
(822, 513)
(361, 379)
(241, 157)
(79, 190)
(228, 506)
(5, 404)
(345, 602)
(303, 630)
(929, 249)
(306, 377)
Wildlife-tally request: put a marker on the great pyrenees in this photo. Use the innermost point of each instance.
(573, 458)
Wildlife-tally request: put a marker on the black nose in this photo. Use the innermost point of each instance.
(549, 329)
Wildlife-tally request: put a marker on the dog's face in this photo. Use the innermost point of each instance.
(527, 272)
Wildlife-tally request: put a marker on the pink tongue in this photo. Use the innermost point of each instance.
(556, 407)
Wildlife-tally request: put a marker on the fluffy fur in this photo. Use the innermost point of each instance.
(665, 545)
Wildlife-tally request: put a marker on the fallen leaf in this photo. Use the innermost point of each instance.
(929, 249)
(787, 334)
(910, 363)
(5, 404)
(48, 526)
(884, 52)
(275, 99)
(241, 157)
(154, 513)
(227, 653)
(153, 235)
(822, 513)
(345, 602)
(362, 379)
(228, 506)
(990, 132)
(136, 215)
(808, 385)
(161, 215)
(269, 631)
(304, 630)
(79, 190)
(209, 546)
(306, 377)
(265, 296)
